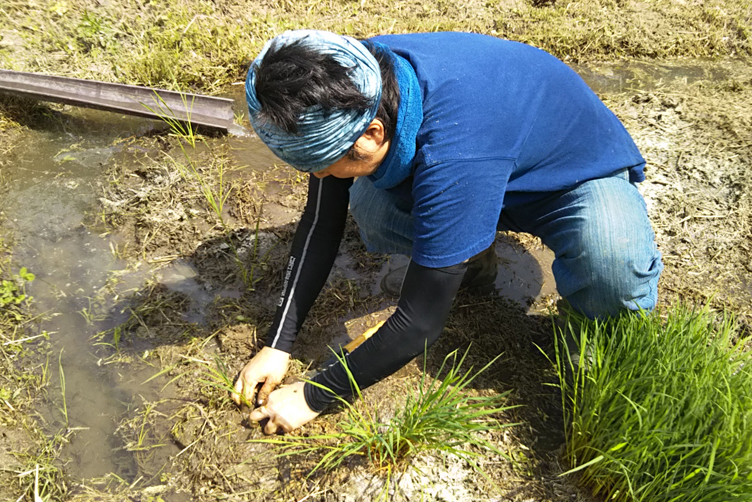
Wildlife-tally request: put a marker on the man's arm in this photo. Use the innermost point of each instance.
(427, 296)
(314, 249)
(424, 304)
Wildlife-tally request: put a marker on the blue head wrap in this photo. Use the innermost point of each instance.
(324, 136)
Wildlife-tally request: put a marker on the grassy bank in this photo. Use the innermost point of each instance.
(206, 45)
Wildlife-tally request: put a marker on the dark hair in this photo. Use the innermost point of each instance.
(293, 77)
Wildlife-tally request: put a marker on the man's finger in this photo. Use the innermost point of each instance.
(249, 389)
(238, 388)
(264, 392)
(270, 427)
(258, 414)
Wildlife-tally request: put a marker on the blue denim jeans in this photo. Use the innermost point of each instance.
(606, 259)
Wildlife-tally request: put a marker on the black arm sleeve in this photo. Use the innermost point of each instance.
(427, 295)
(314, 248)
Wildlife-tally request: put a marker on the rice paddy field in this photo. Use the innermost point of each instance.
(140, 267)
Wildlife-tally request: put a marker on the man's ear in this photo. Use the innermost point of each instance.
(373, 138)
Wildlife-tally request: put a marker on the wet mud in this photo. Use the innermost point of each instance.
(147, 295)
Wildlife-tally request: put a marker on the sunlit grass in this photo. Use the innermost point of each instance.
(660, 410)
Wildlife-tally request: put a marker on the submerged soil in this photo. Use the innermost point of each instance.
(193, 291)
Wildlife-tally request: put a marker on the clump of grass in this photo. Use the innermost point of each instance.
(13, 292)
(439, 415)
(42, 479)
(660, 410)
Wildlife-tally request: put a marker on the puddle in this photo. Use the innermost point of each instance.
(524, 276)
(54, 181)
(647, 76)
(53, 185)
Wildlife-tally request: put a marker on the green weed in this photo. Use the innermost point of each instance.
(13, 290)
(440, 415)
(659, 410)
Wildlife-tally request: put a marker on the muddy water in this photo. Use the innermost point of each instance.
(646, 76)
(54, 175)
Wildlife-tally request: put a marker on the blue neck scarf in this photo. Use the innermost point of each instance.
(398, 163)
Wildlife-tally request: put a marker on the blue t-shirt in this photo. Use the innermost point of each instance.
(503, 122)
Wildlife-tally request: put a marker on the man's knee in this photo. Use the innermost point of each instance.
(617, 279)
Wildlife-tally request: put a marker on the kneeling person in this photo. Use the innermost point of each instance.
(435, 142)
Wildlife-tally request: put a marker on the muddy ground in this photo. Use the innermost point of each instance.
(210, 283)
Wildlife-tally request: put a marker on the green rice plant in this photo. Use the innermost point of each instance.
(141, 441)
(659, 410)
(117, 335)
(184, 130)
(219, 378)
(216, 198)
(440, 415)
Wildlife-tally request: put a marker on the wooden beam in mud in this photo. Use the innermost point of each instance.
(128, 99)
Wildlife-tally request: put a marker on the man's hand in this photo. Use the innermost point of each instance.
(286, 409)
(268, 366)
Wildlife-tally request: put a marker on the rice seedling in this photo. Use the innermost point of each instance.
(659, 410)
(219, 378)
(117, 334)
(141, 442)
(440, 415)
